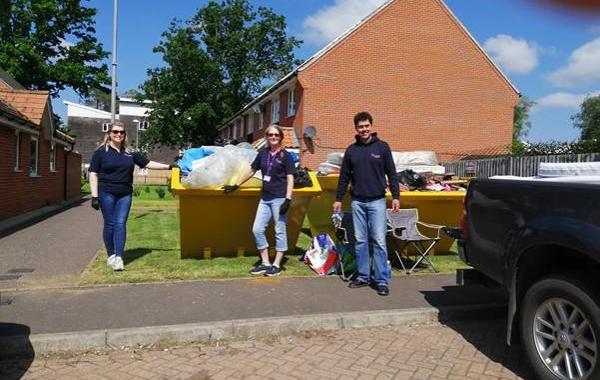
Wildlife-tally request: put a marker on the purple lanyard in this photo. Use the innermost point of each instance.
(270, 160)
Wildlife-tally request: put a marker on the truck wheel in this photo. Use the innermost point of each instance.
(560, 329)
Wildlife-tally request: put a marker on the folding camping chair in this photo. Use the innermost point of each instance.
(403, 228)
(344, 231)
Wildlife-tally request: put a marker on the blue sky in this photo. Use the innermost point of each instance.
(551, 55)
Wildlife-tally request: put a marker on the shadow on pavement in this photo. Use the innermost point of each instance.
(484, 328)
(16, 351)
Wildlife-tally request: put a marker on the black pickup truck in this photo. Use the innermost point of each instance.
(541, 241)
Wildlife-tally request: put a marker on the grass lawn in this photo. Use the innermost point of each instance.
(152, 251)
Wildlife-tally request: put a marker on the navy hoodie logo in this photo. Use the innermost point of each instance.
(375, 155)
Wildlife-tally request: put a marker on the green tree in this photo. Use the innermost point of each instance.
(588, 121)
(521, 123)
(50, 45)
(214, 64)
(98, 98)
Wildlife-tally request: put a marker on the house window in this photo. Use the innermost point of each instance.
(33, 156)
(275, 111)
(105, 127)
(143, 125)
(52, 158)
(17, 150)
(291, 111)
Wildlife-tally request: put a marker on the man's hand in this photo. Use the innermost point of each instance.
(95, 203)
(283, 209)
(395, 204)
(229, 188)
(337, 206)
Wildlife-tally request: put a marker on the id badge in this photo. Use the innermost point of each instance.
(267, 178)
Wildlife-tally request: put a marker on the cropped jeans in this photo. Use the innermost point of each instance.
(269, 210)
(115, 210)
(370, 226)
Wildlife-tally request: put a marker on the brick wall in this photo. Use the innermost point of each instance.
(20, 192)
(73, 174)
(426, 83)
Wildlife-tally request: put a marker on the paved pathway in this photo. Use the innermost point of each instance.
(466, 350)
(115, 307)
(52, 252)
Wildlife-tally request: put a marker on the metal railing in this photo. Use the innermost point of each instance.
(522, 166)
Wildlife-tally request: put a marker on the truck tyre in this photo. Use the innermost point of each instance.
(560, 329)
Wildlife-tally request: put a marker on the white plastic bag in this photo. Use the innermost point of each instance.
(225, 167)
(335, 158)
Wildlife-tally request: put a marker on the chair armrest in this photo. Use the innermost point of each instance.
(433, 227)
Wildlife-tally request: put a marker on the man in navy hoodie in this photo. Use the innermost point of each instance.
(366, 164)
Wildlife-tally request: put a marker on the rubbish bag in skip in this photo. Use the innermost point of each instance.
(225, 167)
(189, 156)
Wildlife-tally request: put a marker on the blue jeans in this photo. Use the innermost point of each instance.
(267, 210)
(115, 210)
(370, 225)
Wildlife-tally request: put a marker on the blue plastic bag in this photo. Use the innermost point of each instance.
(189, 156)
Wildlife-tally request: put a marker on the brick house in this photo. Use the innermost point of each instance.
(38, 166)
(90, 125)
(411, 63)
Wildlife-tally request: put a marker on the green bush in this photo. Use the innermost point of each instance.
(160, 191)
(136, 191)
(146, 189)
(85, 186)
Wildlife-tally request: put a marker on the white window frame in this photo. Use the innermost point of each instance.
(291, 109)
(250, 126)
(34, 173)
(105, 127)
(17, 151)
(53, 158)
(235, 131)
(275, 106)
(143, 125)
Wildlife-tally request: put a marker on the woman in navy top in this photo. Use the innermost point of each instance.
(111, 182)
(277, 168)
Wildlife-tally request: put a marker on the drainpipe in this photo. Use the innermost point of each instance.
(66, 171)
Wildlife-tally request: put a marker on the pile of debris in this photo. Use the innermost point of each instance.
(417, 171)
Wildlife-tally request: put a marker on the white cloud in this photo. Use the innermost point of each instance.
(329, 22)
(583, 67)
(562, 100)
(513, 55)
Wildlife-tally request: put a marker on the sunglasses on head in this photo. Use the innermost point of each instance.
(118, 132)
(273, 134)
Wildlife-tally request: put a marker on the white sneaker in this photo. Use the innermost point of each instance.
(111, 261)
(118, 264)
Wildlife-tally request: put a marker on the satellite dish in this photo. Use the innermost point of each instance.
(310, 132)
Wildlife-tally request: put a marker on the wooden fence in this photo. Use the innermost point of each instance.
(524, 166)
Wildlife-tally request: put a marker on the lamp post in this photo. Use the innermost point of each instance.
(113, 94)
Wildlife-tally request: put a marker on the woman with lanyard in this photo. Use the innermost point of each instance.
(277, 169)
(111, 182)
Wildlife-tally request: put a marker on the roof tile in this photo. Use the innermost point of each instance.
(29, 104)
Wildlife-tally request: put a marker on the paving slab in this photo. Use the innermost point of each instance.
(456, 350)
